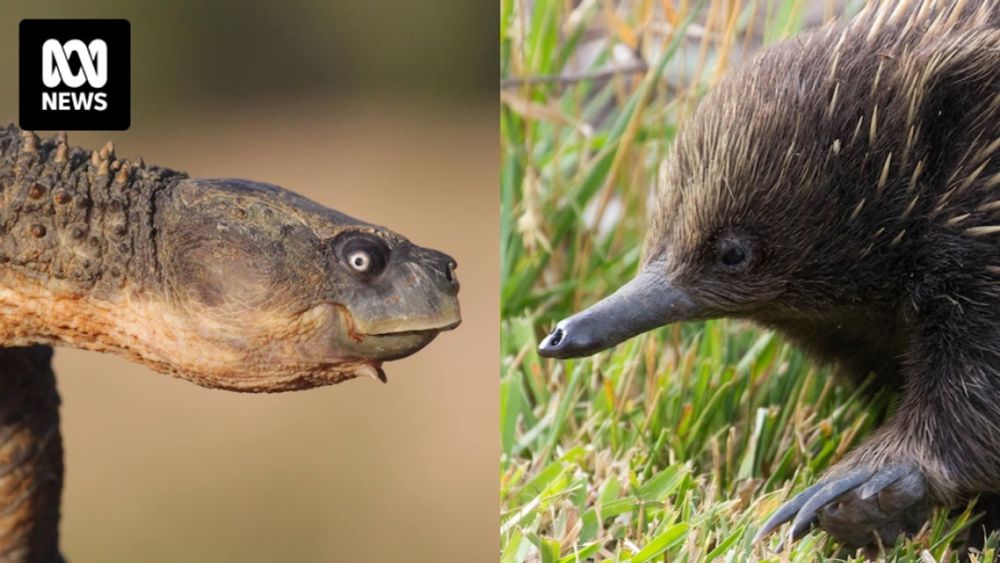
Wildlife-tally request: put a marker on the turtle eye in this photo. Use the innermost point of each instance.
(365, 254)
(360, 260)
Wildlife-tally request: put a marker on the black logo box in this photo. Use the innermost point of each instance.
(117, 115)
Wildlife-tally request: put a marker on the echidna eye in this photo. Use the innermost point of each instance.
(733, 252)
(733, 256)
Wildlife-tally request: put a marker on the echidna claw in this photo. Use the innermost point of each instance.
(850, 507)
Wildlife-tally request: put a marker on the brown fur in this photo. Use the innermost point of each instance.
(859, 165)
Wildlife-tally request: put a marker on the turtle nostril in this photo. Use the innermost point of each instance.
(449, 270)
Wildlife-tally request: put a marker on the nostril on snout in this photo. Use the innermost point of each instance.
(449, 270)
(556, 337)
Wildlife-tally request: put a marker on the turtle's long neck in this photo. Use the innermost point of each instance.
(78, 220)
(73, 223)
(31, 465)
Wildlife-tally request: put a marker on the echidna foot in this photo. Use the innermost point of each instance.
(858, 505)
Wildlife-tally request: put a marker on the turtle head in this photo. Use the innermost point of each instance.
(266, 290)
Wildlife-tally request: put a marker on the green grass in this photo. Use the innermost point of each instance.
(677, 445)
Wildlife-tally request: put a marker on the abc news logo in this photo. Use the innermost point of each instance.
(74, 74)
(56, 71)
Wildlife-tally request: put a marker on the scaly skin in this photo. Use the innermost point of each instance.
(228, 283)
(31, 469)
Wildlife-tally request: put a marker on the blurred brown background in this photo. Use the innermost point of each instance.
(386, 111)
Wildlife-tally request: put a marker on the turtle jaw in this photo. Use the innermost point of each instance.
(399, 338)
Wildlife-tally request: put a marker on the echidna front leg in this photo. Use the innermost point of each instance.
(867, 498)
(941, 447)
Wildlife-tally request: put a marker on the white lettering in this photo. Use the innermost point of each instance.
(64, 101)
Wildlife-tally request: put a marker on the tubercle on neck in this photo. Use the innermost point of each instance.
(76, 218)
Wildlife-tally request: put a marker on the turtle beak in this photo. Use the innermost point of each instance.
(647, 302)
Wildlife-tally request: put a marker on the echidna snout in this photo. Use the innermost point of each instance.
(646, 302)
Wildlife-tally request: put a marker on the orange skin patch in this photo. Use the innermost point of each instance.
(206, 351)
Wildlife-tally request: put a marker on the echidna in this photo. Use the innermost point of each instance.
(844, 189)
